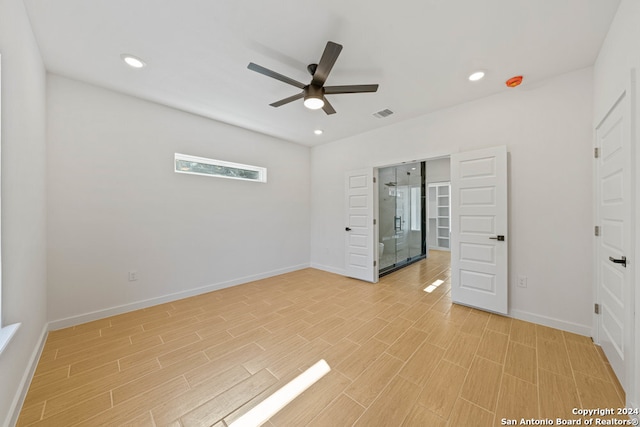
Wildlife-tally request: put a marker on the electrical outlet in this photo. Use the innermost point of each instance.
(522, 281)
(133, 276)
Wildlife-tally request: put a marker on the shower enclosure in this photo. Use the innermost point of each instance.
(402, 226)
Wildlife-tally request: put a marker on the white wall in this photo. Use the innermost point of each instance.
(547, 129)
(23, 201)
(115, 204)
(438, 170)
(620, 52)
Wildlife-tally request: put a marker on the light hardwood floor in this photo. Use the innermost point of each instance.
(399, 356)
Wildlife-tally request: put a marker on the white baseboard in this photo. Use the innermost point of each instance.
(107, 312)
(18, 400)
(339, 271)
(552, 322)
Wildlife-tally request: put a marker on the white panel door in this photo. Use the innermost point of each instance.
(359, 230)
(479, 229)
(613, 216)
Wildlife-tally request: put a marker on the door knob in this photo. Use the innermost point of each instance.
(347, 229)
(499, 238)
(622, 260)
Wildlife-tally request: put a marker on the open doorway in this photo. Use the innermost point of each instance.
(478, 225)
(401, 214)
(413, 212)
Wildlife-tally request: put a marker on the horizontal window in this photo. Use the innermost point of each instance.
(218, 168)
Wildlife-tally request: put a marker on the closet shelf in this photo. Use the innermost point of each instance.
(439, 215)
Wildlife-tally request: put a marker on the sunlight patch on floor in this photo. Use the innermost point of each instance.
(261, 413)
(432, 287)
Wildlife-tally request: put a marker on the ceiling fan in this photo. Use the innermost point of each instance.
(314, 93)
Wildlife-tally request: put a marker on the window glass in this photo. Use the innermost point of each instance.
(218, 168)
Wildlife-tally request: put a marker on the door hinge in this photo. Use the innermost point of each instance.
(374, 221)
(375, 262)
(596, 152)
(596, 308)
(374, 179)
(597, 230)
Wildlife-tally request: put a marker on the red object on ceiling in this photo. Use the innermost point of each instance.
(514, 81)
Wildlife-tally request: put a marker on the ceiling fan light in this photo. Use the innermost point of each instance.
(313, 103)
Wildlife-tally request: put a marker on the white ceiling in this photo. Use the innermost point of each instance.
(419, 51)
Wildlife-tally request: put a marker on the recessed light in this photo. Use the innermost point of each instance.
(132, 61)
(318, 131)
(476, 76)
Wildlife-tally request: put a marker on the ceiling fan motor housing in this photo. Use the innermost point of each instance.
(313, 91)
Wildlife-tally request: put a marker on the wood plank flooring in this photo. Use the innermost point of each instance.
(399, 356)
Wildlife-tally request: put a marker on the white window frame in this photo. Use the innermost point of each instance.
(262, 172)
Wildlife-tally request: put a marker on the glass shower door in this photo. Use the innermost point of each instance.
(400, 201)
(387, 223)
(402, 218)
(417, 244)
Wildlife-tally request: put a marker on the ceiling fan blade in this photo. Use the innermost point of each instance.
(329, 57)
(332, 90)
(267, 72)
(288, 100)
(328, 108)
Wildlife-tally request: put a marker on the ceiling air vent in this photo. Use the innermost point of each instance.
(383, 113)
